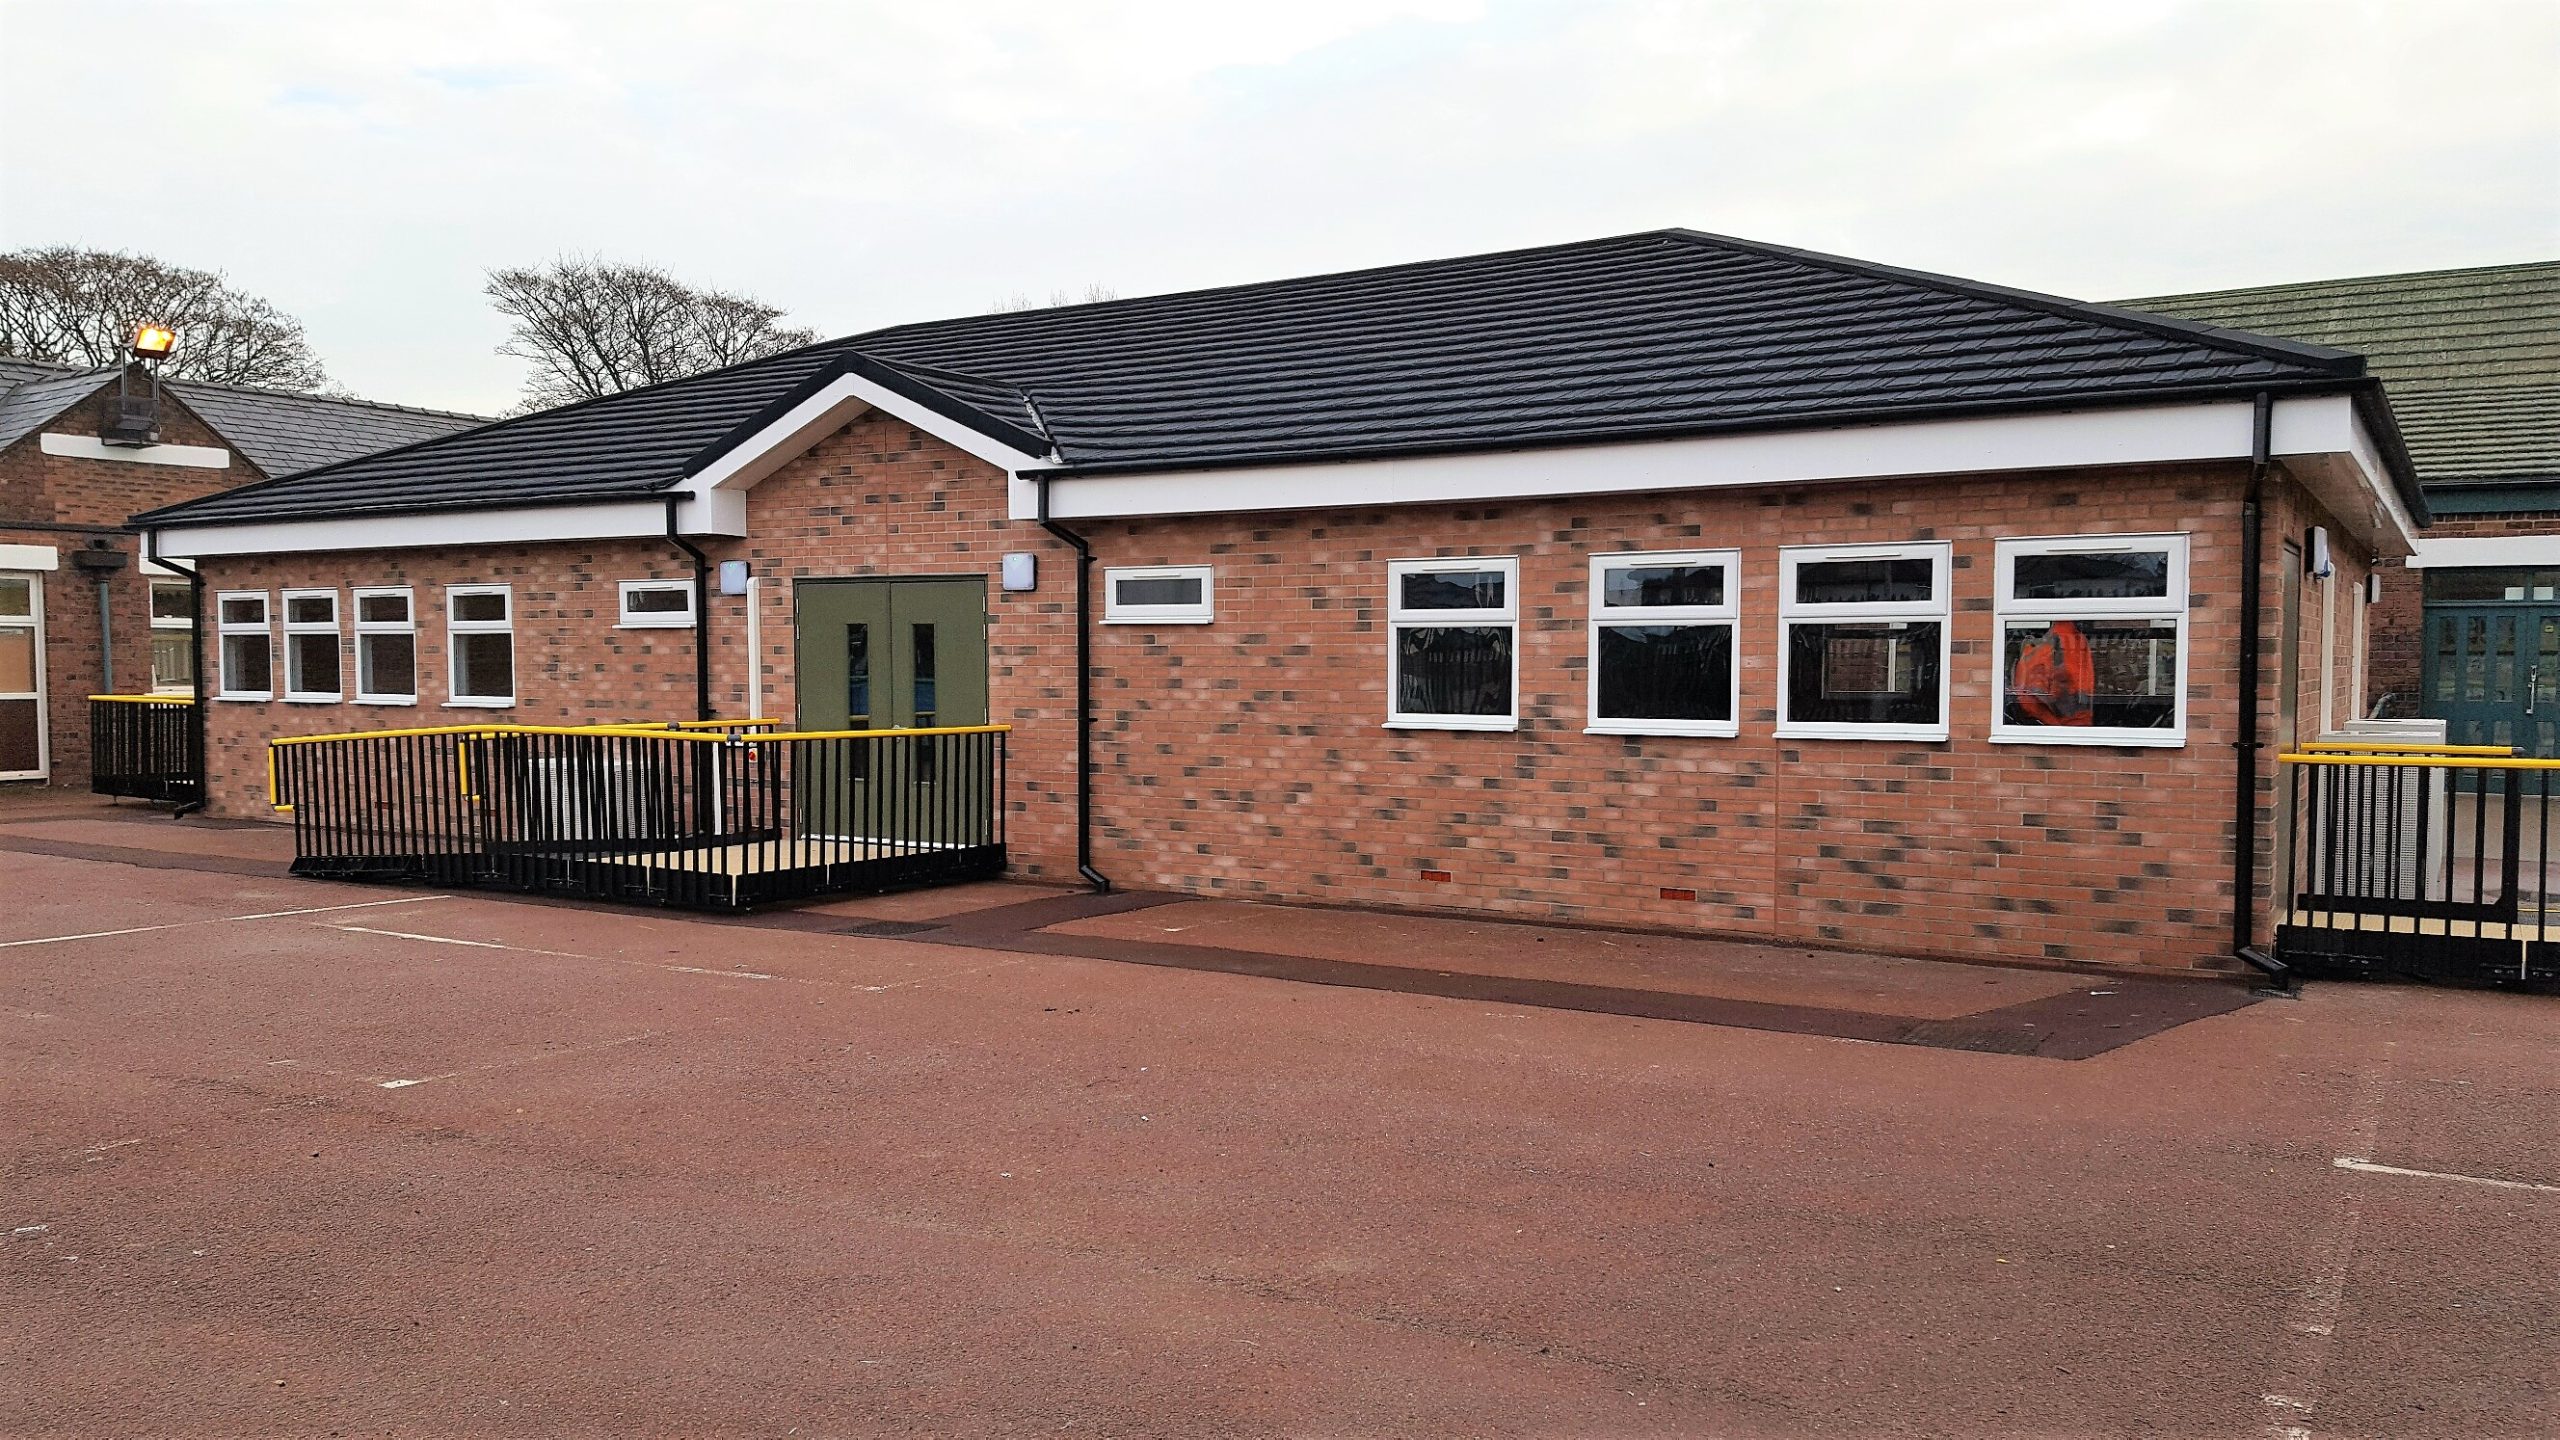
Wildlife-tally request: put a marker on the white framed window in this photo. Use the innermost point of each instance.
(248, 658)
(480, 637)
(1453, 644)
(173, 637)
(2093, 633)
(1862, 645)
(1158, 595)
(657, 605)
(1662, 643)
(312, 648)
(386, 645)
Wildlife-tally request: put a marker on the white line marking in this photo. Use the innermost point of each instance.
(326, 909)
(450, 940)
(726, 974)
(2322, 1302)
(212, 920)
(534, 1059)
(100, 934)
(2369, 1168)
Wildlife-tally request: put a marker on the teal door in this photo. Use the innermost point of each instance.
(2492, 665)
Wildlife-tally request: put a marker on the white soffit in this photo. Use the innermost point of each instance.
(2142, 435)
(2534, 550)
(90, 447)
(629, 519)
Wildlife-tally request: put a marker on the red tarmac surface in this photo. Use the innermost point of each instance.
(473, 1165)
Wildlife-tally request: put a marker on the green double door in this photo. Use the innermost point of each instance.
(891, 655)
(2492, 673)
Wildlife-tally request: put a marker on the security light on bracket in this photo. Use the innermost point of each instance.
(135, 419)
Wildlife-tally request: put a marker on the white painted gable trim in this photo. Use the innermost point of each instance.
(847, 396)
(90, 447)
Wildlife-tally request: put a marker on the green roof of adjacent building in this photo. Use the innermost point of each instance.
(2469, 358)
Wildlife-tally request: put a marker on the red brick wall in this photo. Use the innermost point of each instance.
(1247, 757)
(70, 503)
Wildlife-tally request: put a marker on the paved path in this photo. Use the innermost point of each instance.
(471, 1166)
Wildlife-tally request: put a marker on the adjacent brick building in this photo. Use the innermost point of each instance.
(1668, 581)
(71, 472)
(2468, 628)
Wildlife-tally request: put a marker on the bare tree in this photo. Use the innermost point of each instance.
(589, 328)
(1094, 294)
(81, 307)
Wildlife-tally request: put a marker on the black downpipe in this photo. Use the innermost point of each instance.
(701, 613)
(204, 694)
(1084, 695)
(2244, 831)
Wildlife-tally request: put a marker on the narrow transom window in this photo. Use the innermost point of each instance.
(386, 646)
(311, 647)
(1662, 642)
(1454, 629)
(2092, 640)
(1862, 651)
(480, 634)
(248, 657)
(1158, 595)
(173, 636)
(657, 605)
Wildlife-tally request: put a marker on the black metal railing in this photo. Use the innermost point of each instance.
(721, 816)
(145, 747)
(2426, 862)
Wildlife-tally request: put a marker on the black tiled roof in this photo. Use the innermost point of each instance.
(281, 432)
(2472, 357)
(1665, 333)
(284, 434)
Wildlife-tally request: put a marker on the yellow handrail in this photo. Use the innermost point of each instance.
(2437, 761)
(147, 699)
(2369, 747)
(633, 728)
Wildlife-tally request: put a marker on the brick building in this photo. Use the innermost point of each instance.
(2466, 630)
(1665, 580)
(81, 609)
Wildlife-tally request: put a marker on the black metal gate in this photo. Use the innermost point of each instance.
(2424, 863)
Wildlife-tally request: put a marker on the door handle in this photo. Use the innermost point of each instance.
(2532, 687)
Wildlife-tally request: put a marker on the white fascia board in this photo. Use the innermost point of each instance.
(30, 557)
(630, 519)
(90, 447)
(2046, 441)
(778, 443)
(2527, 550)
(2328, 426)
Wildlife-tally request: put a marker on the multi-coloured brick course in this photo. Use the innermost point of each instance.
(1249, 756)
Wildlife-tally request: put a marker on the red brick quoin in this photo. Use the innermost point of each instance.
(1248, 757)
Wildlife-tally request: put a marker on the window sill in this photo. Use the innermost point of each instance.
(472, 702)
(1158, 619)
(408, 700)
(2060, 735)
(1904, 734)
(654, 625)
(1454, 722)
(315, 699)
(247, 697)
(1700, 731)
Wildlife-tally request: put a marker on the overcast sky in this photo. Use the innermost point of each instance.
(361, 164)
